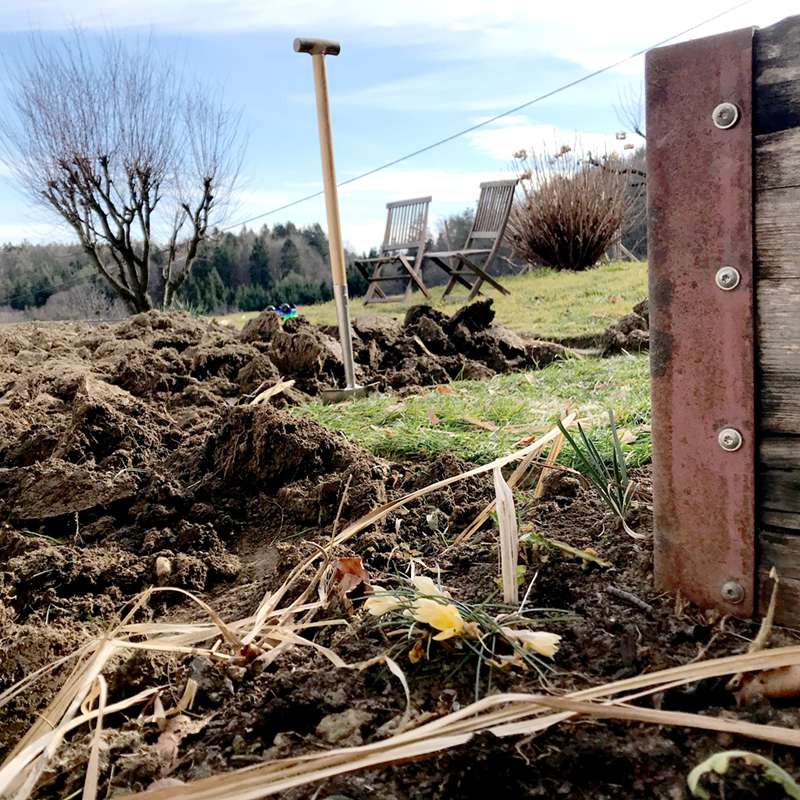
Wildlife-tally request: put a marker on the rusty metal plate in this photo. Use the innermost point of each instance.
(700, 208)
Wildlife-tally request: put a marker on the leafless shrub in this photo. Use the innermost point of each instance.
(570, 210)
(9, 315)
(80, 302)
(114, 141)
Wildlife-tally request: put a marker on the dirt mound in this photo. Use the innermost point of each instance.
(630, 334)
(427, 347)
(122, 446)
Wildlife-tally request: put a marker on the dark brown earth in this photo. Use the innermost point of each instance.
(630, 334)
(123, 445)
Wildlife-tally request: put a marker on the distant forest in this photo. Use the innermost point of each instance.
(246, 271)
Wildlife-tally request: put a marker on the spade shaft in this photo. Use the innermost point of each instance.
(318, 49)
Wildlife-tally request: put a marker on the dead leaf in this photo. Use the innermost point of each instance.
(350, 574)
(177, 728)
(480, 423)
(783, 682)
(626, 436)
(444, 388)
(280, 386)
(432, 418)
(417, 652)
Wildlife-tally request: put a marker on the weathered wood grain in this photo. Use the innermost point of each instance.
(780, 491)
(788, 600)
(776, 78)
(779, 452)
(777, 232)
(777, 159)
(778, 325)
(784, 520)
(776, 155)
(781, 550)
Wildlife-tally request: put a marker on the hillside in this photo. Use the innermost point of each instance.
(544, 302)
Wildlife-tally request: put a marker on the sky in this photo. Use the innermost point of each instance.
(410, 72)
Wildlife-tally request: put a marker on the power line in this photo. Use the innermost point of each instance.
(477, 126)
(495, 118)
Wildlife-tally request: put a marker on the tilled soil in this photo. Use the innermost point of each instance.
(119, 454)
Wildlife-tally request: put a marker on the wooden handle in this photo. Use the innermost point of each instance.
(323, 47)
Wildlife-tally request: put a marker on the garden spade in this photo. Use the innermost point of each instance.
(318, 49)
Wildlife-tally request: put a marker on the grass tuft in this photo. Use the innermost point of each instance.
(481, 420)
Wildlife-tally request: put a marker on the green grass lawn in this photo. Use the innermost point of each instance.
(545, 302)
(480, 420)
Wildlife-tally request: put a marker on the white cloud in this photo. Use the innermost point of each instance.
(584, 32)
(34, 232)
(503, 138)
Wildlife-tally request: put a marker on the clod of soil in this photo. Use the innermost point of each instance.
(630, 334)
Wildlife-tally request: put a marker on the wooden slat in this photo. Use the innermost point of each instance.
(778, 304)
(780, 490)
(785, 520)
(776, 127)
(777, 159)
(788, 600)
(777, 77)
(777, 232)
(779, 549)
(780, 452)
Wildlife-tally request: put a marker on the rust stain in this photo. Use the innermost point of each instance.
(702, 356)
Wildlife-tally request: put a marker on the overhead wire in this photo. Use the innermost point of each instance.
(458, 134)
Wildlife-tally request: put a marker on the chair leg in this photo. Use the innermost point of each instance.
(454, 278)
(476, 290)
(374, 291)
(373, 287)
(449, 288)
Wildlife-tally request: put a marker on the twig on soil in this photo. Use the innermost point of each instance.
(629, 598)
(342, 501)
(271, 391)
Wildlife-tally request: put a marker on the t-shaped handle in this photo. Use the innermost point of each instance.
(323, 47)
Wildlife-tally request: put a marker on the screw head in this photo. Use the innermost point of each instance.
(732, 592)
(725, 115)
(727, 278)
(730, 439)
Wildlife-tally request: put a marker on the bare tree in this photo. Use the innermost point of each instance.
(629, 109)
(114, 141)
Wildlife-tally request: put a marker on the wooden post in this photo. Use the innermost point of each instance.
(723, 142)
(776, 129)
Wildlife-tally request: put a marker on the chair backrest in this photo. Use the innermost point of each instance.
(491, 215)
(406, 224)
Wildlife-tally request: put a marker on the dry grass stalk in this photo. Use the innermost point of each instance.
(549, 464)
(22, 768)
(532, 452)
(502, 715)
(271, 391)
(509, 538)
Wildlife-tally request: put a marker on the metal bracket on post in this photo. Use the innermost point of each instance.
(699, 183)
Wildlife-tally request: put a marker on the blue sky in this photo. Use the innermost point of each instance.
(410, 72)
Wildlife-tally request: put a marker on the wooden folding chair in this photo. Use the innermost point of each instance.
(406, 231)
(491, 216)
